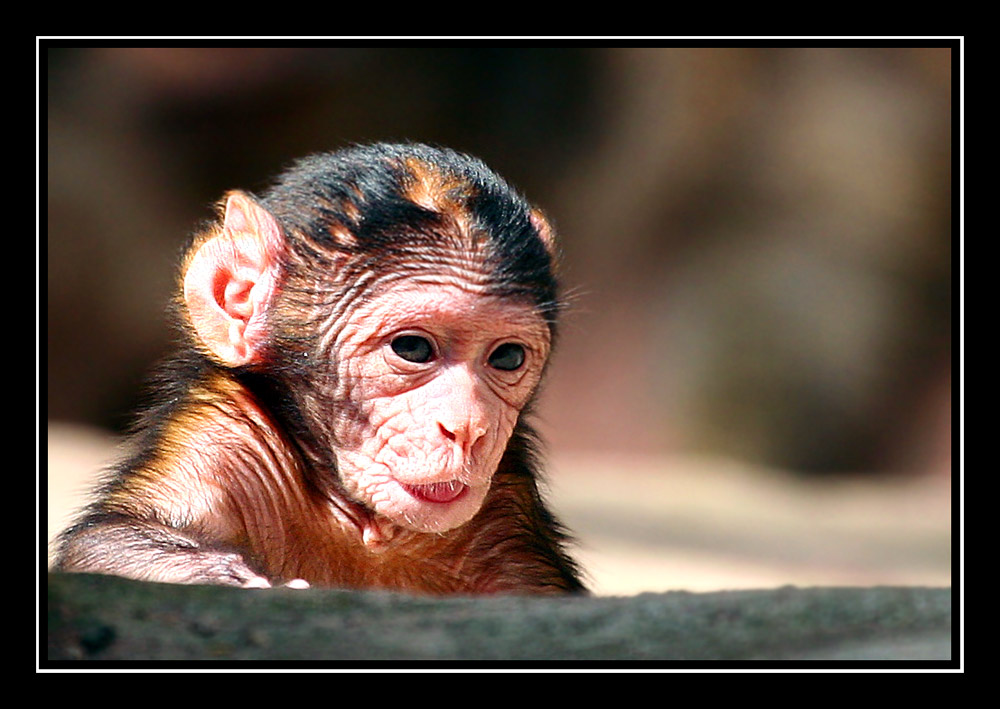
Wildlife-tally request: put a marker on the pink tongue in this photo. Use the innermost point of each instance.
(437, 492)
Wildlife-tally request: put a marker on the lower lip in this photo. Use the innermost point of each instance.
(441, 493)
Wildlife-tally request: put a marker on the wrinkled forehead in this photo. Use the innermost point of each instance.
(444, 260)
(453, 295)
(452, 261)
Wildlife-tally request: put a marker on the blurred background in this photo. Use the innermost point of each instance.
(753, 382)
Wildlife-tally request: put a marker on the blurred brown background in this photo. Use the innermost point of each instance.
(752, 386)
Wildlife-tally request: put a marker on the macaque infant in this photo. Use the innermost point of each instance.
(361, 345)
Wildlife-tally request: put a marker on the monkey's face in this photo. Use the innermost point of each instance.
(440, 373)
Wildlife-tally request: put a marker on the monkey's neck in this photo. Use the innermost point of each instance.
(374, 530)
(355, 520)
(314, 468)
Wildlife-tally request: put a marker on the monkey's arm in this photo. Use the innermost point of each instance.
(148, 551)
(174, 515)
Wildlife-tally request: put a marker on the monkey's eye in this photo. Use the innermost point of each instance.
(413, 348)
(508, 357)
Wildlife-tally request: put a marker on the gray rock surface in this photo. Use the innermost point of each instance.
(111, 619)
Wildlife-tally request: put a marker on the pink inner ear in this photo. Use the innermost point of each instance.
(236, 299)
(231, 280)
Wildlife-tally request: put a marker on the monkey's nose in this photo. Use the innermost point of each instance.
(465, 434)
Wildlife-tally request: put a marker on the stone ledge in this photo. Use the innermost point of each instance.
(111, 619)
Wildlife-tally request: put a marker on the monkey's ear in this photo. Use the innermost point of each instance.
(231, 279)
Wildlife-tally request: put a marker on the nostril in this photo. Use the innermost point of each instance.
(465, 435)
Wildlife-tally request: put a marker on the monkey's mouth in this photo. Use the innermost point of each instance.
(437, 492)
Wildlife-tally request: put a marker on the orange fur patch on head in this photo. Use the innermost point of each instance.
(351, 208)
(431, 188)
(443, 193)
(342, 236)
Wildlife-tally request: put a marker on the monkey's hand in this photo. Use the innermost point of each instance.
(230, 569)
(205, 566)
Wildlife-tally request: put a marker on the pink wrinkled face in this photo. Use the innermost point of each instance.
(440, 373)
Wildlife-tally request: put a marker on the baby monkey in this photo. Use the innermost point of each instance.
(360, 347)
